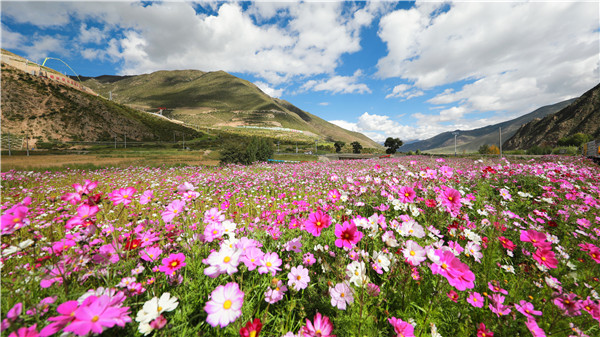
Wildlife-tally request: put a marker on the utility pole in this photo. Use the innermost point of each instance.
(277, 146)
(500, 142)
(125, 140)
(183, 141)
(316, 140)
(455, 133)
(296, 147)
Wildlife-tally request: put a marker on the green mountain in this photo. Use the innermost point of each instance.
(581, 116)
(45, 110)
(219, 100)
(470, 140)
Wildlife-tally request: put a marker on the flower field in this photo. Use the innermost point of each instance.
(413, 246)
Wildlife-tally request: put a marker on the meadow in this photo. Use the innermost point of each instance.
(410, 246)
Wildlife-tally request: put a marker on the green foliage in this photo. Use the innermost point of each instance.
(392, 145)
(574, 140)
(539, 150)
(484, 149)
(257, 149)
(356, 147)
(338, 146)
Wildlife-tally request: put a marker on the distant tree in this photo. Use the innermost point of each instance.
(577, 139)
(493, 150)
(338, 146)
(418, 152)
(392, 145)
(484, 149)
(257, 149)
(356, 147)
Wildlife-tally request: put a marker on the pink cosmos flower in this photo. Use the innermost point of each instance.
(172, 264)
(150, 253)
(172, 210)
(252, 257)
(538, 239)
(533, 327)
(298, 278)
(450, 198)
(347, 235)
(122, 196)
(414, 253)
(67, 311)
(84, 213)
(527, 309)
(14, 218)
(213, 215)
(213, 231)
(452, 295)
(497, 306)
(456, 272)
(591, 307)
(475, 299)
(341, 295)
(225, 305)
(274, 295)
(320, 327)
(546, 258)
(146, 197)
(97, 313)
(406, 194)
(294, 245)
(569, 304)
(316, 222)
(402, 328)
(308, 259)
(86, 188)
(493, 286)
(270, 262)
(26, 332)
(334, 195)
(482, 331)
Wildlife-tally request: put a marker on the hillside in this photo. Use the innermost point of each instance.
(583, 115)
(46, 111)
(471, 140)
(218, 100)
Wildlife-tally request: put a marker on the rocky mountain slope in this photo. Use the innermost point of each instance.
(471, 140)
(583, 115)
(46, 111)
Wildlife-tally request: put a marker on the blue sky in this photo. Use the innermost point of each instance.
(401, 69)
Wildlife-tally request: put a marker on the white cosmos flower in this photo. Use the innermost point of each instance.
(156, 306)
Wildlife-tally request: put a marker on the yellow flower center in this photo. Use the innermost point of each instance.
(125, 196)
(412, 253)
(95, 318)
(215, 232)
(174, 264)
(450, 198)
(543, 258)
(342, 295)
(227, 304)
(159, 309)
(318, 223)
(16, 219)
(444, 266)
(474, 299)
(298, 277)
(406, 194)
(253, 333)
(175, 211)
(226, 259)
(269, 264)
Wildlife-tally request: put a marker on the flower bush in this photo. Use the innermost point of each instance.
(409, 246)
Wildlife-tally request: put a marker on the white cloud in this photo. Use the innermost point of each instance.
(404, 91)
(268, 90)
(339, 84)
(324, 103)
(305, 39)
(514, 56)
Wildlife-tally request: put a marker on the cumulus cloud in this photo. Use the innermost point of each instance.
(274, 41)
(269, 90)
(339, 84)
(404, 91)
(513, 56)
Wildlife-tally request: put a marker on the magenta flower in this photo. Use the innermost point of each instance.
(84, 213)
(316, 222)
(213, 215)
(482, 331)
(172, 210)
(341, 295)
(298, 278)
(95, 314)
(497, 306)
(347, 235)
(406, 194)
(493, 286)
(569, 304)
(402, 328)
(452, 295)
(308, 259)
(150, 253)
(527, 309)
(26, 332)
(146, 197)
(534, 328)
(334, 195)
(538, 239)
(269, 263)
(475, 299)
(14, 218)
(450, 198)
(122, 196)
(213, 231)
(274, 295)
(225, 305)
(320, 327)
(545, 258)
(67, 311)
(457, 273)
(172, 263)
(252, 257)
